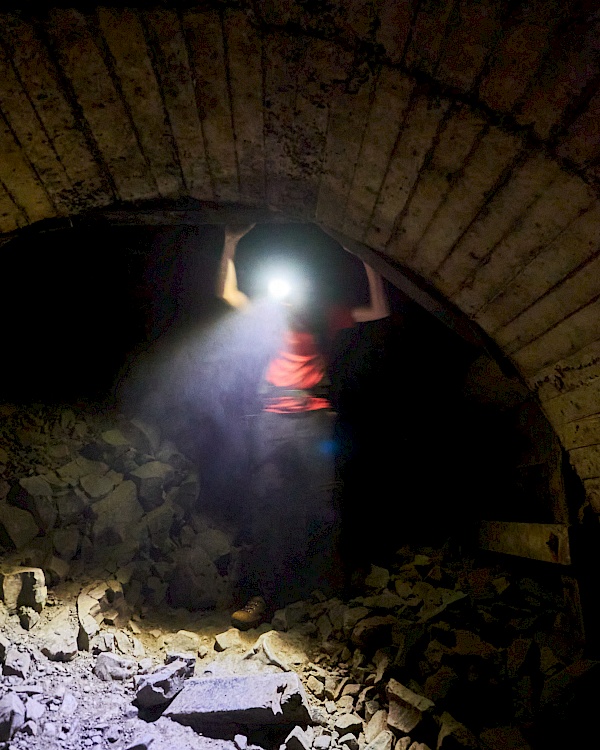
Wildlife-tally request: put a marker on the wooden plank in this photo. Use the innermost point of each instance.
(392, 97)
(206, 52)
(409, 154)
(568, 374)
(101, 104)
(500, 215)
(124, 36)
(556, 208)
(571, 66)
(574, 405)
(244, 59)
(456, 139)
(483, 171)
(20, 180)
(581, 142)
(519, 53)
(566, 338)
(168, 43)
(90, 186)
(25, 125)
(548, 542)
(586, 461)
(394, 19)
(348, 117)
(428, 34)
(532, 290)
(469, 41)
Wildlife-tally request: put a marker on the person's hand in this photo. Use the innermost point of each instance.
(235, 232)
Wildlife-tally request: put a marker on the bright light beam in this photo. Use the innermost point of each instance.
(279, 288)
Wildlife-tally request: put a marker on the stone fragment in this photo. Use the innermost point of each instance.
(28, 617)
(184, 640)
(383, 741)
(69, 704)
(80, 467)
(378, 578)
(150, 479)
(345, 704)
(161, 686)
(403, 743)
(34, 710)
(114, 438)
(36, 497)
(97, 486)
(372, 632)
(316, 687)
(251, 699)
(376, 725)
(382, 659)
(4, 646)
(17, 663)
(141, 743)
(66, 541)
(196, 583)
(348, 723)
(406, 708)
(24, 587)
(228, 639)
(453, 734)
(349, 741)
(59, 638)
(437, 686)
(322, 742)
(17, 527)
(351, 617)
(111, 667)
(12, 715)
(36, 485)
(297, 739)
(56, 570)
(116, 514)
(387, 600)
(324, 627)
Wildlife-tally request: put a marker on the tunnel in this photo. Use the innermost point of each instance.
(450, 145)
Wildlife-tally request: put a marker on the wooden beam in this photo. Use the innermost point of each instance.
(548, 542)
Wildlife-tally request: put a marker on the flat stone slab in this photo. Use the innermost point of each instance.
(247, 700)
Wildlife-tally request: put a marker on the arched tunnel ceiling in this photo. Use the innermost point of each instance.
(459, 137)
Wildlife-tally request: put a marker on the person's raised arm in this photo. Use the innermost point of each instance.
(227, 287)
(378, 306)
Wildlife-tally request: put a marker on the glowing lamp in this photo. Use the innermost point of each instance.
(279, 288)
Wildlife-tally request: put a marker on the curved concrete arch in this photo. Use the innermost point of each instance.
(431, 133)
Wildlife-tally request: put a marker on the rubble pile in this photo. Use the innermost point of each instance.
(107, 496)
(433, 655)
(103, 542)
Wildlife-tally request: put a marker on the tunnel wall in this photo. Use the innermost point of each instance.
(433, 133)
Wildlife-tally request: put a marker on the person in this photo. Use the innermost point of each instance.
(292, 484)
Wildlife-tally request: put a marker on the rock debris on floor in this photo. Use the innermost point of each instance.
(103, 541)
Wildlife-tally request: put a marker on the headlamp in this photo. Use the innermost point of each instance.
(279, 288)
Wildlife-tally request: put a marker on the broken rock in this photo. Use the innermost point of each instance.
(383, 741)
(12, 715)
(453, 734)
(59, 638)
(17, 527)
(24, 587)
(406, 708)
(17, 663)
(251, 699)
(161, 686)
(111, 667)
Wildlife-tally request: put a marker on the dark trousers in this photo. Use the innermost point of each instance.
(293, 520)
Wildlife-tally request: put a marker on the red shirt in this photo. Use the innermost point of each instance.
(300, 366)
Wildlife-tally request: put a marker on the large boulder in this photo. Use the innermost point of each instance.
(258, 699)
(17, 527)
(23, 587)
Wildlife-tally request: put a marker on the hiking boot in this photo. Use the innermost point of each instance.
(250, 616)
